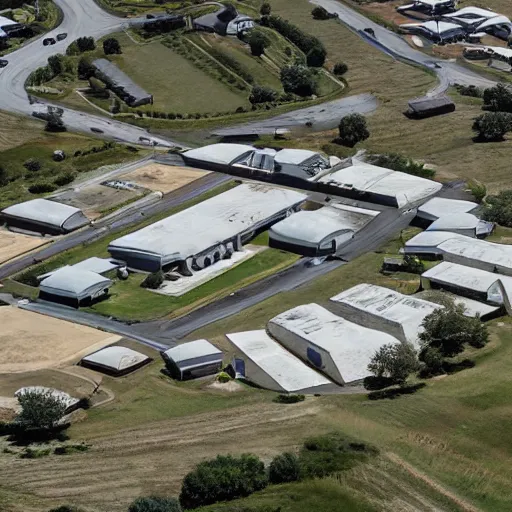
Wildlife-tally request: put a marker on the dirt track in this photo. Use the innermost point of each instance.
(15, 244)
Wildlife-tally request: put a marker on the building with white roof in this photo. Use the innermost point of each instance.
(206, 232)
(499, 26)
(471, 13)
(193, 359)
(462, 224)
(383, 309)
(115, 360)
(379, 185)
(431, 7)
(44, 216)
(70, 402)
(436, 30)
(473, 283)
(427, 243)
(337, 347)
(9, 27)
(266, 363)
(216, 156)
(319, 232)
(439, 207)
(73, 286)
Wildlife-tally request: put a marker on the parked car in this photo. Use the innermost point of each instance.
(48, 41)
(3, 63)
(370, 31)
(96, 130)
(61, 37)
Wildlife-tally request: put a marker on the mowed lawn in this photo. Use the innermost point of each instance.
(176, 84)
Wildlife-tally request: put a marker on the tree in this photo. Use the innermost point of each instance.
(265, 9)
(261, 94)
(449, 330)
(394, 361)
(258, 41)
(353, 129)
(55, 63)
(298, 79)
(155, 504)
(54, 123)
(32, 165)
(340, 68)
(498, 98)
(498, 208)
(81, 45)
(4, 179)
(320, 13)
(316, 56)
(111, 46)
(85, 68)
(432, 360)
(221, 479)
(153, 281)
(284, 468)
(40, 409)
(492, 126)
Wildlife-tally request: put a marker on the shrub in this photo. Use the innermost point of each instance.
(492, 126)
(316, 56)
(396, 392)
(394, 361)
(498, 208)
(261, 94)
(257, 41)
(284, 468)
(64, 178)
(221, 479)
(55, 63)
(85, 69)
(111, 46)
(42, 187)
(298, 79)
(498, 98)
(223, 377)
(319, 13)
(479, 190)
(432, 360)
(32, 165)
(340, 68)
(70, 448)
(40, 409)
(54, 123)
(373, 383)
(470, 90)
(353, 129)
(401, 163)
(155, 504)
(289, 399)
(153, 281)
(33, 453)
(265, 9)
(81, 45)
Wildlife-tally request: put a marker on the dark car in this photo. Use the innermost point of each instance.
(48, 41)
(3, 63)
(96, 130)
(370, 31)
(61, 37)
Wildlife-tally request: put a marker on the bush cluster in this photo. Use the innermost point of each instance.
(111, 46)
(154, 280)
(340, 68)
(396, 392)
(498, 98)
(289, 399)
(81, 45)
(32, 165)
(353, 129)
(95, 149)
(319, 13)
(64, 179)
(261, 94)
(469, 90)
(401, 163)
(498, 208)
(492, 126)
(298, 80)
(42, 187)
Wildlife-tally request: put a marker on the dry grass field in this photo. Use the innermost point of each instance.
(16, 244)
(31, 341)
(163, 178)
(15, 131)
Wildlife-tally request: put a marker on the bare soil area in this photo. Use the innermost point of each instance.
(16, 244)
(163, 178)
(31, 341)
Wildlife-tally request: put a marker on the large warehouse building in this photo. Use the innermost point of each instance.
(383, 309)
(379, 185)
(267, 364)
(338, 348)
(319, 232)
(207, 232)
(44, 216)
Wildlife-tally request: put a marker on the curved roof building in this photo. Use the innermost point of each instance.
(440, 206)
(462, 224)
(44, 216)
(115, 360)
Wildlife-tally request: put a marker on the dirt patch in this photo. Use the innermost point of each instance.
(31, 341)
(16, 244)
(229, 387)
(387, 11)
(163, 178)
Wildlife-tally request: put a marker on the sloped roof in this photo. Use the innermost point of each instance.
(497, 20)
(192, 350)
(222, 153)
(476, 12)
(116, 358)
(294, 156)
(427, 103)
(440, 206)
(454, 221)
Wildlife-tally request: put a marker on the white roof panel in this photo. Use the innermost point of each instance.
(497, 20)
(209, 223)
(349, 345)
(469, 12)
(6, 22)
(440, 206)
(116, 358)
(75, 283)
(218, 153)
(95, 264)
(192, 350)
(285, 369)
(293, 156)
(452, 221)
(431, 239)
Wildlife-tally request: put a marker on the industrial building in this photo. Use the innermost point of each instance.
(337, 347)
(438, 207)
(115, 360)
(193, 359)
(264, 362)
(428, 106)
(70, 402)
(473, 283)
(463, 224)
(93, 264)
(426, 244)
(319, 232)
(44, 216)
(209, 231)
(74, 287)
(430, 7)
(225, 21)
(378, 185)
(437, 31)
(383, 309)
(121, 84)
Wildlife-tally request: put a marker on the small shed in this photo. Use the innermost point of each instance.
(427, 106)
(115, 360)
(194, 359)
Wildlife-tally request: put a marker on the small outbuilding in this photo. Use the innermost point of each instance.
(428, 106)
(115, 360)
(44, 216)
(430, 7)
(74, 287)
(225, 21)
(194, 359)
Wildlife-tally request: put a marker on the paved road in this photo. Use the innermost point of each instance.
(81, 18)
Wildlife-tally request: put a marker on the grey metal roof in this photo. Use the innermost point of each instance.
(439, 206)
(97, 265)
(74, 283)
(427, 103)
(193, 350)
(116, 358)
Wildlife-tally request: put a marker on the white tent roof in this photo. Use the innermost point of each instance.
(193, 350)
(5, 22)
(433, 3)
(455, 221)
(74, 283)
(287, 371)
(405, 188)
(42, 210)
(293, 156)
(219, 153)
(503, 52)
(67, 399)
(497, 20)
(116, 358)
(469, 12)
(207, 224)
(364, 300)
(440, 206)
(349, 345)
